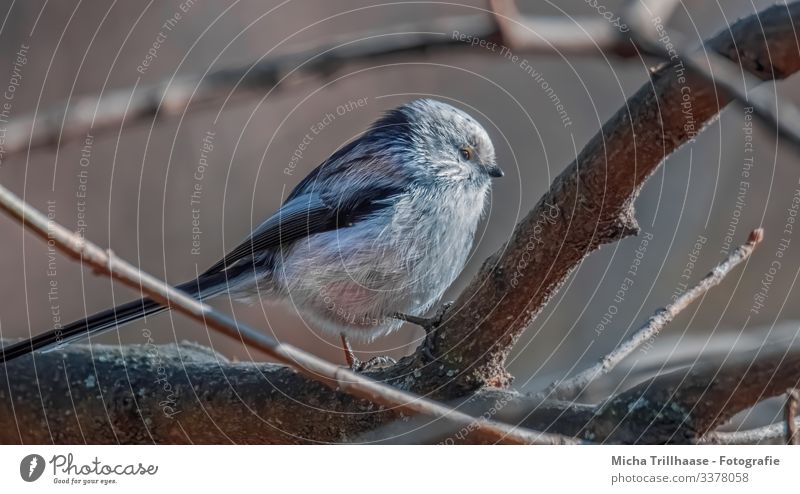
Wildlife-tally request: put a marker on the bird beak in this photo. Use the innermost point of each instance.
(494, 171)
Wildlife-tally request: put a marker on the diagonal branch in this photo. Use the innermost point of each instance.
(571, 388)
(590, 203)
(717, 69)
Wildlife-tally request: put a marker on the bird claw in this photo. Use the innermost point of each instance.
(430, 325)
(375, 363)
(438, 318)
(428, 347)
(357, 365)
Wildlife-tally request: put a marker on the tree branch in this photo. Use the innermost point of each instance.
(176, 95)
(555, 35)
(187, 393)
(664, 409)
(571, 388)
(685, 405)
(769, 434)
(591, 202)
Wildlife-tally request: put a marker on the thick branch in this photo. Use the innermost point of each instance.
(727, 74)
(186, 393)
(685, 405)
(590, 203)
(189, 394)
(119, 395)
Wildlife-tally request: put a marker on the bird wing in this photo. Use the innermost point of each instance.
(298, 218)
(307, 215)
(324, 200)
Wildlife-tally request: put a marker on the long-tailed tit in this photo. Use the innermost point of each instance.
(379, 229)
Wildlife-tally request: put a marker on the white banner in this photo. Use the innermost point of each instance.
(396, 469)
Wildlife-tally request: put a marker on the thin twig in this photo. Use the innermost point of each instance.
(572, 387)
(792, 401)
(767, 434)
(106, 262)
(640, 12)
(557, 35)
(173, 96)
(349, 355)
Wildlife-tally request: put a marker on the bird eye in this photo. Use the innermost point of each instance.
(466, 153)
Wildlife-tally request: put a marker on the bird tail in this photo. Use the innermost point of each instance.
(206, 286)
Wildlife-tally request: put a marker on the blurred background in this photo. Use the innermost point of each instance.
(131, 189)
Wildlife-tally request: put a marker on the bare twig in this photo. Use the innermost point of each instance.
(548, 35)
(792, 401)
(571, 388)
(640, 12)
(769, 434)
(174, 96)
(349, 382)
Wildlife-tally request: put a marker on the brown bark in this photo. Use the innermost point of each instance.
(188, 394)
(591, 202)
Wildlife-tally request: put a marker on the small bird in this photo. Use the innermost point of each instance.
(370, 238)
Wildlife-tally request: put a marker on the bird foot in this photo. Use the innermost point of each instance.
(358, 365)
(430, 325)
(375, 363)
